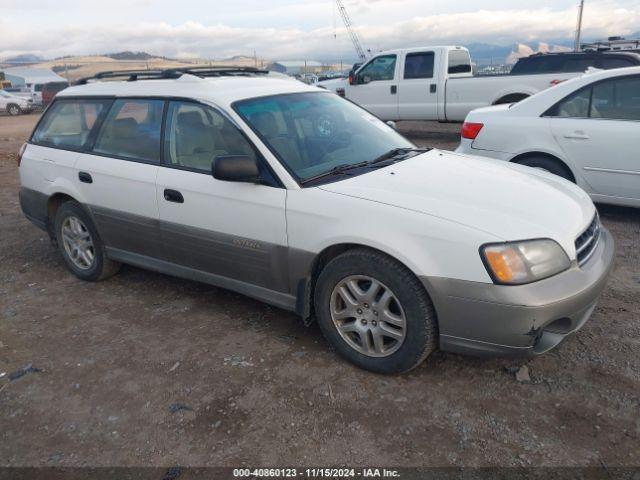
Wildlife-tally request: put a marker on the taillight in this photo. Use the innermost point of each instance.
(471, 130)
(21, 152)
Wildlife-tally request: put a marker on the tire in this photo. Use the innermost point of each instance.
(357, 270)
(548, 164)
(13, 109)
(74, 227)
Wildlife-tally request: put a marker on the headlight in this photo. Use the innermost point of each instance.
(527, 261)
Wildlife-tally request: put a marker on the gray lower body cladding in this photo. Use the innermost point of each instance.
(473, 317)
(34, 207)
(486, 319)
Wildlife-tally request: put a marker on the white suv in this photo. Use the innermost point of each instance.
(294, 196)
(14, 105)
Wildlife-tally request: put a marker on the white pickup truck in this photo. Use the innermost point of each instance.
(433, 83)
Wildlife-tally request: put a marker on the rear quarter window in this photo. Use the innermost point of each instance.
(68, 123)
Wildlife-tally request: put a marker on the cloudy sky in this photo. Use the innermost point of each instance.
(292, 29)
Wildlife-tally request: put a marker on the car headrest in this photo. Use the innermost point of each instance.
(266, 124)
(124, 127)
(190, 119)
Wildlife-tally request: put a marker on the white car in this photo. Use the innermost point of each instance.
(586, 130)
(14, 105)
(291, 195)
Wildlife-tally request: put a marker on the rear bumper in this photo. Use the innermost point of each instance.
(486, 319)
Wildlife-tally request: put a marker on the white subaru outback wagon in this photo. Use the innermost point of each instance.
(292, 195)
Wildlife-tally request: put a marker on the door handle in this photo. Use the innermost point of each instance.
(577, 136)
(394, 89)
(85, 177)
(173, 196)
(433, 88)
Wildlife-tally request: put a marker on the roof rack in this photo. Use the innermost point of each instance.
(173, 73)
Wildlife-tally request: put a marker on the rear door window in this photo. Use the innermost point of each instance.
(419, 65)
(617, 99)
(132, 130)
(614, 99)
(68, 123)
(575, 105)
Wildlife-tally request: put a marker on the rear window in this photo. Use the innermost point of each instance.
(615, 62)
(459, 62)
(68, 123)
(552, 64)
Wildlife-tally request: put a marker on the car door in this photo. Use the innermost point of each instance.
(118, 176)
(235, 231)
(598, 128)
(375, 87)
(417, 92)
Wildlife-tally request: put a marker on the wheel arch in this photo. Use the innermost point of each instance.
(533, 154)
(511, 98)
(306, 286)
(53, 204)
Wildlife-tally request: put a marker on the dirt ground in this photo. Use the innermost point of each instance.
(146, 369)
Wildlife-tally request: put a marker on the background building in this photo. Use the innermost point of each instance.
(297, 67)
(25, 76)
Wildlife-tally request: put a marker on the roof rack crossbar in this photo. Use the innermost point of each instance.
(173, 73)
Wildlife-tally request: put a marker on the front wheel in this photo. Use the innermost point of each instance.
(375, 312)
(80, 244)
(14, 110)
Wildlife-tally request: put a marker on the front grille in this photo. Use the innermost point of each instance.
(587, 242)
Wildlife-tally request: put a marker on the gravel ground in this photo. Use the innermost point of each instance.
(146, 369)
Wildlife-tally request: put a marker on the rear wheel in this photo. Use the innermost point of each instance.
(80, 244)
(548, 164)
(375, 312)
(13, 109)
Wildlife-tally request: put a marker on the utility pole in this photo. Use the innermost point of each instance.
(579, 26)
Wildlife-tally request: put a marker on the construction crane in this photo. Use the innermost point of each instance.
(352, 33)
(579, 26)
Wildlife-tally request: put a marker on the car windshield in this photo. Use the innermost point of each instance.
(313, 133)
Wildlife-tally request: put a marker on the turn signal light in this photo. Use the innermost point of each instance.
(21, 152)
(471, 130)
(503, 264)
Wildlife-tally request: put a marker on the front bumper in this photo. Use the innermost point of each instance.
(486, 319)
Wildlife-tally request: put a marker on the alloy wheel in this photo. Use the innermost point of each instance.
(78, 243)
(368, 316)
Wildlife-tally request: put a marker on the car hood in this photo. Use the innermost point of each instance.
(507, 201)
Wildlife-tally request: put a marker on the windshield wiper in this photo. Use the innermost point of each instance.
(337, 170)
(395, 153)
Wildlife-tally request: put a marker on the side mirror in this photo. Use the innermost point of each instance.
(392, 124)
(235, 168)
